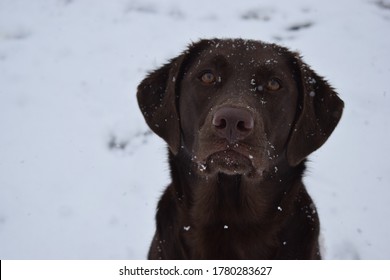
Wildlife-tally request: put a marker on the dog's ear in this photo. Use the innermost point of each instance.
(157, 100)
(319, 111)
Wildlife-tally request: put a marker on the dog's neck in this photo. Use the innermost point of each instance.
(220, 197)
(231, 208)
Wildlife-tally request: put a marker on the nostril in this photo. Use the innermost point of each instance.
(222, 124)
(219, 122)
(241, 126)
(245, 125)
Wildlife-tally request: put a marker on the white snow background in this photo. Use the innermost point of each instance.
(80, 172)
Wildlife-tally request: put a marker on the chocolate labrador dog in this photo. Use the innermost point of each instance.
(239, 117)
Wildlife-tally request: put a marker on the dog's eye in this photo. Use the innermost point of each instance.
(208, 78)
(274, 84)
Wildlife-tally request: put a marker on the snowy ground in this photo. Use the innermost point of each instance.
(74, 148)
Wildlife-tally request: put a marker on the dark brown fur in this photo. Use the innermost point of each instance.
(240, 118)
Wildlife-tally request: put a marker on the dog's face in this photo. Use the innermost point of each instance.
(239, 107)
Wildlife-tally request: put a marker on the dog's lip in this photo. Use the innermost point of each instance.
(228, 154)
(230, 150)
(230, 158)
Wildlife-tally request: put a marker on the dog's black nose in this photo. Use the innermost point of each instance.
(233, 124)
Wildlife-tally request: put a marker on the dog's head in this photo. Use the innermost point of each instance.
(239, 107)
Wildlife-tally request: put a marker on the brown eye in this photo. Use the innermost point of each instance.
(208, 78)
(273, 85)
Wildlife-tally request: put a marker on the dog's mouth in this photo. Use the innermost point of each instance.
(228, 161)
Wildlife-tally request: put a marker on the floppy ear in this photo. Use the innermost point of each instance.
(157, 100)
(319, 112)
